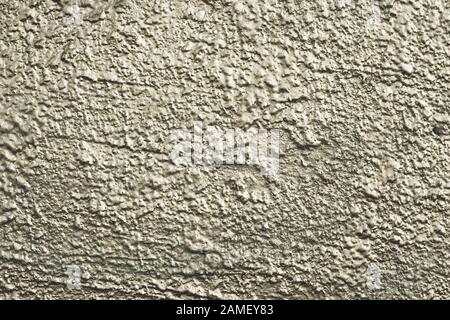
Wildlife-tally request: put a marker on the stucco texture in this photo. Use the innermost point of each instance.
(91, 90)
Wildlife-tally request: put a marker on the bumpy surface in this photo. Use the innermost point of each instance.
(91, 90)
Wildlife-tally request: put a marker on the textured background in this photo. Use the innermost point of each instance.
(90, 91)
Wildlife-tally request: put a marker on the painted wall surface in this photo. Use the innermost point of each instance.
(94, 206)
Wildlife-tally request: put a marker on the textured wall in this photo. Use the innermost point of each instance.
(90, 91)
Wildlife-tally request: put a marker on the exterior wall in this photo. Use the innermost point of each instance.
(92, 206)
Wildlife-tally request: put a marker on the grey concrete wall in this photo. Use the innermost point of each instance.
(93, 207)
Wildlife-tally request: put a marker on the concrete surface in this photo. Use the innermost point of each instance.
(92, 206)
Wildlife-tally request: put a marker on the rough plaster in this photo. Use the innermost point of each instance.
(90, 91)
